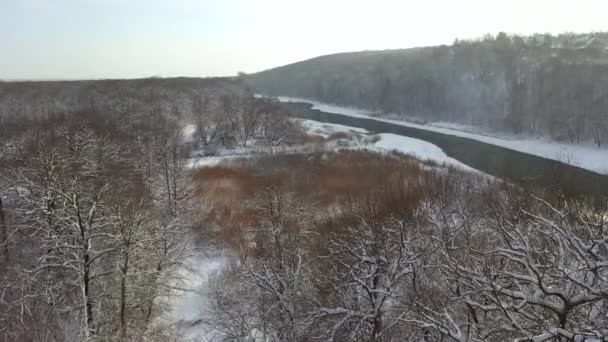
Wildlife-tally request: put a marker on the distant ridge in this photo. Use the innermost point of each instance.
(554, 86)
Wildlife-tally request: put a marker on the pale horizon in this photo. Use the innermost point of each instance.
(111, 39)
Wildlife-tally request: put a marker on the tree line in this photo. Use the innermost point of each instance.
(223, 111)
(555, 86)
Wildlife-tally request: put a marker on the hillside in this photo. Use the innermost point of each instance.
(554, 86)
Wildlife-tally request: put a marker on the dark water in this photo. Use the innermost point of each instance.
(528, 170)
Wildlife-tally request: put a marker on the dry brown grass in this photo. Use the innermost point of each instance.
(339, 135)
(365, 181)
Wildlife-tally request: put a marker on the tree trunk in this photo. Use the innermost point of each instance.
(168, 184)
(123, 297)
(4, 233)
(175, 170)
(86, 280)
(150, 308)
(377, 324)
(86, 271)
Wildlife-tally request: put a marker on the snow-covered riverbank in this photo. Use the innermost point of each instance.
(584, 156)
(383, 142)
(386, 142)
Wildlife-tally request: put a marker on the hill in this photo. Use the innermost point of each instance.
(555, 86)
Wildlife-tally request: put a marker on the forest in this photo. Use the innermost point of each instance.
(303, 171)
(545, 85)
(373, 247)
(97, 202)
(325, 237)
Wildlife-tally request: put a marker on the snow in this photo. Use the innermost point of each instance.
(225, 155)
(325, 129)
(584, 156)
(190, 304)
(189, 307)
(188, 132)
(211, 161)
(361, 140)
(329, 108)
(418, 148)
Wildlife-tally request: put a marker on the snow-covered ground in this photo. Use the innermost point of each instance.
(210, 161)
(188, 132)
(224, 155)
(325, 130)
(420, 149)
(584, 156)
(189, 307)
(361, 139)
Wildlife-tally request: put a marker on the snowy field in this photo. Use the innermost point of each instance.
(584, 156)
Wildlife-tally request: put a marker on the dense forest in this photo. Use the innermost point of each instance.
(169, 97)
(554, 86)
(101, 212)
(359, 246)
(96, 201)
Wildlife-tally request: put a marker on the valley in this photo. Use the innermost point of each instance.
(455, 190)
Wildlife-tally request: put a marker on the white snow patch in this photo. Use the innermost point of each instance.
(361, 139)
(329, 108)
(584, 156)
(190, 305)
(418, 148)
(188, 132)
(189, 308)
(210, 161)
(326, 129)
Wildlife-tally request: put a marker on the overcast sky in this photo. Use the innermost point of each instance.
(76, 39)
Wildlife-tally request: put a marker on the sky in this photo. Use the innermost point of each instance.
(83, 39)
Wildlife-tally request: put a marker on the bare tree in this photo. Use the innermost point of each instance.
(373, 270)
(538, 276)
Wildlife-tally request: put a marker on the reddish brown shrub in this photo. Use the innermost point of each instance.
(350, 180)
